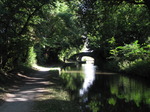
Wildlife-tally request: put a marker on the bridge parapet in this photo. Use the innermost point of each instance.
(78, 57)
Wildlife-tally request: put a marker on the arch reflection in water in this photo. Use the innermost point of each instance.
(88, 59)
(89, 72)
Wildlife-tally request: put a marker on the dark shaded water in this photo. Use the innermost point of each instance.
(105, 92)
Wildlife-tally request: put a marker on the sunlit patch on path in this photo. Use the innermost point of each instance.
(22, 99)
(40, 68)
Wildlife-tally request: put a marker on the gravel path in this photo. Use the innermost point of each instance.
(23, 98)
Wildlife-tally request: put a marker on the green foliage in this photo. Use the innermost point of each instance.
(93, 40)
(41, 55)
(130, 52)
(109, 25)
(67, 53)
(135, 2)
(16, 29)
(133, 58)
(94, 106)
(49, 24)
(58, 32)
(31, 60)
(112, 101)
(57, 27)
(139, 68)
(118, 31)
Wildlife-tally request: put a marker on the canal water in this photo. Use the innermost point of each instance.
(97, 91)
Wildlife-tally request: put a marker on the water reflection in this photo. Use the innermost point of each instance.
(106, 92)
(89, 72)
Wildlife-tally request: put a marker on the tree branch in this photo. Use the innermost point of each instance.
(28, 19)
(134, 2)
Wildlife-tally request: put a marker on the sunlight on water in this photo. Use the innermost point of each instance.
(88, 59)
(89, 71)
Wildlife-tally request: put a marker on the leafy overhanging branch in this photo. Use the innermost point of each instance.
(29, 18)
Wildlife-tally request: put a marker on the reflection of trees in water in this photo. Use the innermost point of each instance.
(131, 91)
(113, 93)
(116, 94)
(72, 82)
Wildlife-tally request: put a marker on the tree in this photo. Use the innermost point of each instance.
(119, 21)
(58, 30)
(16, 19)
(137, 2)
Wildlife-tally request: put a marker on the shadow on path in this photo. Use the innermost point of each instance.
(22, 99)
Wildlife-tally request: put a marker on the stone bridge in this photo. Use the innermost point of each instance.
(78, 57)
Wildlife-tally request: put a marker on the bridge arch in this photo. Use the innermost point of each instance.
(83, 57)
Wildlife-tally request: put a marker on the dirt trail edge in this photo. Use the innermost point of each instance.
(23, 98)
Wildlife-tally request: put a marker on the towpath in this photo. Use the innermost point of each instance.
(22, 98)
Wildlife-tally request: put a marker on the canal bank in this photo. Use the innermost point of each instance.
(139, 69)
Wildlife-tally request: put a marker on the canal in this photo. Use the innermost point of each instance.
(97, 91)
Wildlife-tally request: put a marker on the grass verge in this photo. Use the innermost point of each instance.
(58, 100)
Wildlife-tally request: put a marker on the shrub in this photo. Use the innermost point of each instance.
(141, 68)
(133, 58)
(31, 57)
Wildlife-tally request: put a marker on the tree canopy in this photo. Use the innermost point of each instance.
(53, 28)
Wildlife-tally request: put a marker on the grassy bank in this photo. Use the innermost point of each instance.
(139, 68)
(58, 100)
